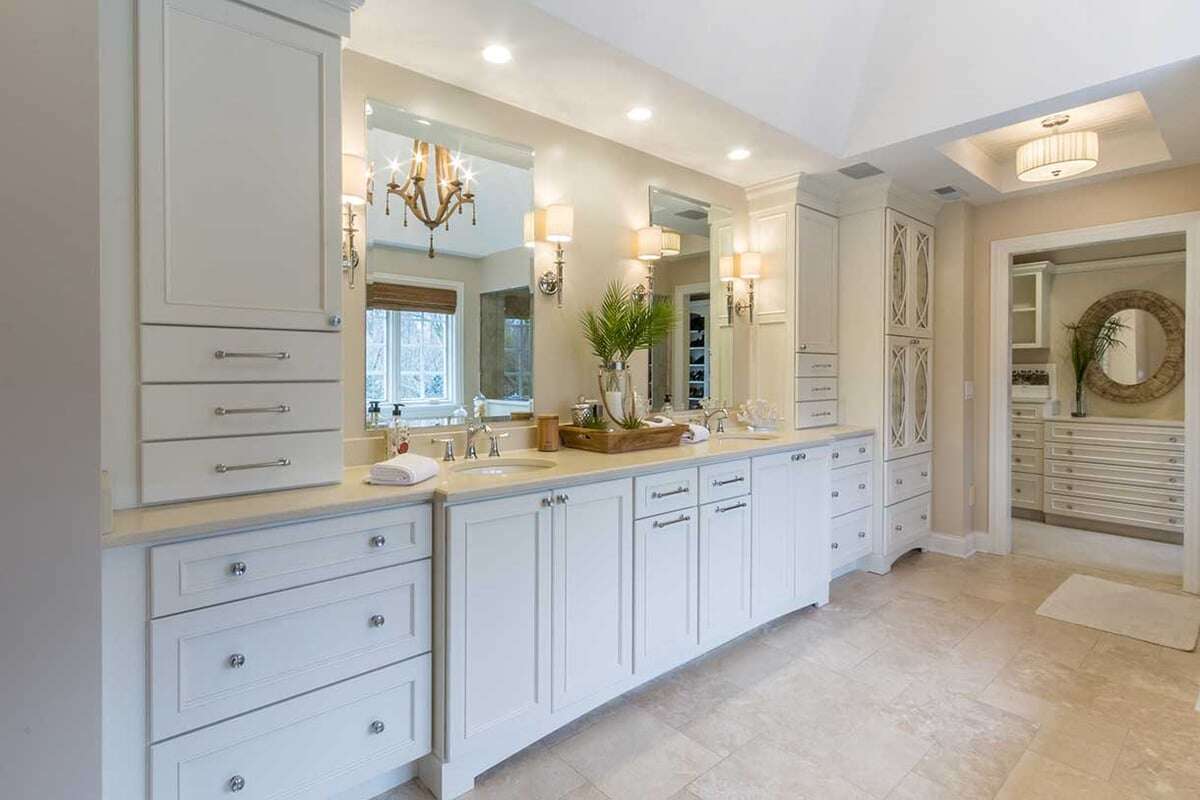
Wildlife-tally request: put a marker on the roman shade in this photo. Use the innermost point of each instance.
(405, 297)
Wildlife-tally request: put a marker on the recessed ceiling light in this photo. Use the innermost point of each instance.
(497, 54)
(639, 113)
(738, 154)
(424, 122)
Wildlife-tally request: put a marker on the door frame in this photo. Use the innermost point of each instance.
(1000, 360)
(681, 346)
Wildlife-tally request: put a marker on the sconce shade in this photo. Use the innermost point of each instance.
(726, 268)
(650, 243)
(354, 179)
(750, 266)
(560, 223)
(535, 227)
(671, 243)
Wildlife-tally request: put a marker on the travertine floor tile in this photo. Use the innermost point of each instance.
(1085, 742)
(916, 787)
(533, 774)
(589, 792)
(1039, 778)
(744, 662)
(409, 791)
(765, 771)
(685, 694)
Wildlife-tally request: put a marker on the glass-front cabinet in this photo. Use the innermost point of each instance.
(909, 276)
(909, 389)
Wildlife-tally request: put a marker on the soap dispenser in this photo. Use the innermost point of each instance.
(397, 432)
(373, 413)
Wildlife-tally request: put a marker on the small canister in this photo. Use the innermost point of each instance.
(547, 432)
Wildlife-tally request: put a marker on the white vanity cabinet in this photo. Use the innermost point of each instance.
(666, 597)
(726, 547)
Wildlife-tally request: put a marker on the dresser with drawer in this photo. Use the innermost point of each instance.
(852, 498)
(1027, 434)
(1114, 473)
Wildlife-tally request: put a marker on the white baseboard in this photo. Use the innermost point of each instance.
(950, 544)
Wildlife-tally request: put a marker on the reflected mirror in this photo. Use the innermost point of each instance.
(1142, 350)
(694, 363)
(449, 317)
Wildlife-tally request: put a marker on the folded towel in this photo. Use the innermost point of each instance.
(695, 434)
(657, 421)
(404, 470)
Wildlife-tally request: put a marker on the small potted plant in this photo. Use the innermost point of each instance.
(1088, 344)
(621, 325)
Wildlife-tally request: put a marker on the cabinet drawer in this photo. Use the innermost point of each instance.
(809, 365)
(850, 537)
(1164, 498)
(816, 388)
(205, 572)
(1027, 434)
(316, 745)
(1117, 456)
(665, 491)
(853, 451)
(1027, 459)
(1149, 436)
(1133, 476)
(179, 411)
(906, 522)
(850, 488)
(724, 480)
(1115, 512)
(216, 663)
(176, 354)
(907, 477)
(1027, 411)
(186, 470)
(1027, 491)
(814, 414)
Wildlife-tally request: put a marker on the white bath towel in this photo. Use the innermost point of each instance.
(695, 434)
(403, 470)
(657, 421)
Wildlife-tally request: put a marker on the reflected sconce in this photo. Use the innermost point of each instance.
(728, 272)
(649, 250)
(535, 227)
(749, 269)
(672, 243)
(355, 182)
(558, 229)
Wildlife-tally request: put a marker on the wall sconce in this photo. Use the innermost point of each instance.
(559, 228)
(649, 250)
(354, 190)
(672, 242)
(749, 269)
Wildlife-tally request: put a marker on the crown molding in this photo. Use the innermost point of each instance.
(806, 190)
(1177, 258)
(882, 191)
(329, 16)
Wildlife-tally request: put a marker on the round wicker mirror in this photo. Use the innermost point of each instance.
(1150, 362)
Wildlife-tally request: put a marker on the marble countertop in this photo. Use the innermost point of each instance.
(157, 524)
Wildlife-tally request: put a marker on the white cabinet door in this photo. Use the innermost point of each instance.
(666, 572)
(810, 499)
(725, 569)
(816, 281)
(774, 540)
(921, 264)
(909, 283)
(920, 353)
(908, 395)
(498, 612)
(593, 590)
(239, 143)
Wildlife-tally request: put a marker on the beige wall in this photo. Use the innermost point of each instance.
(607, 184)
(1136, 197)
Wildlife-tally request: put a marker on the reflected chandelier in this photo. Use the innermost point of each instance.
(453, 178)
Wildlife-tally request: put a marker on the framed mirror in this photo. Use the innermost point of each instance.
(449, 311)
(1148, 363)
(694, 363)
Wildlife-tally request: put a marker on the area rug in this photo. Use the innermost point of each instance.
(1169, 620)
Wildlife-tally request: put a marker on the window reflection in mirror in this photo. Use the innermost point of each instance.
(448, 336)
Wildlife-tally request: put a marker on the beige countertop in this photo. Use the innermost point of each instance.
(156, 524)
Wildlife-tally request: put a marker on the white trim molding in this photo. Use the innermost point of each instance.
(951, 544)
(1000, 366)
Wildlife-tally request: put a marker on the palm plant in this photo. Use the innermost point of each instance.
(1088, 344)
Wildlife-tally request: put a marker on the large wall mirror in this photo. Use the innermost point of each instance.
(449, 311)
(1147, 362)
(694, 364)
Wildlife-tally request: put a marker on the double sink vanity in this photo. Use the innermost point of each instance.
(382, 632)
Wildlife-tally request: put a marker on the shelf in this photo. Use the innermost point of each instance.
(1023, 308)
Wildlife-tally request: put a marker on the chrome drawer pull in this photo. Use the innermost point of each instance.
(834, 545)
(672, 493)
(547, 502)
(823, 414)
(237, 783)
(799, 456)
(237, 661)
(561, 498)
(378, 727)
(378, 621)
(733, 507)
(803, 347)
(728, 481)
(924, 474)
(378, 541)
(282, 408)
(822, 366)
(681, 518)
(836, 455)
(836, 493)
(279, 462)
(281, 355)
(862, 486)
(1172, 480)
(899, 481)
(862, 534)
(237, 569)
(924, 517)
(899, 528)
(862, 450)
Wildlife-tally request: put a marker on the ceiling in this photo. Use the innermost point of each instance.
(809, 85)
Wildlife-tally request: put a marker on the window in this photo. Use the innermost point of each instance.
(411, 358)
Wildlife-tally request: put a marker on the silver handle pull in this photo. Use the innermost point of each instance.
(834, 545)
(279, 462)
(899, 481)
(561, 498)
(862, 534)
(924, 474)
(822, 389)
(237, 661)
(823, 366)
(672, 493)
(836, 493)
(836, 455)
(924, 517)
(237, 783)
(799, 456)
(658, 523)
(237, 569)
(728, 481)
(733, 507)
(378, 541)
(282, 408)
(378, 727)
(378, 620)
(1172, 480)
(547, 502)
(823, 414)
(281, 355)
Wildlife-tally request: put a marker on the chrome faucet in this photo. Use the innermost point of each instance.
(494, 438)
(474, 429)
(720, 414)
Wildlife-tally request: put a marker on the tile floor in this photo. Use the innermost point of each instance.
(936, 681)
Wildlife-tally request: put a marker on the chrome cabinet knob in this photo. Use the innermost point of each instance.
(335, 321)
(924, 474)
(924, 516)
(862, 534)
(378, 621)
(378, 541)
(834, 545)
(836, 493)
(237, 783)
(899, 481)
(836, 455)
(803, 347)
(862, 486)
(899, 528)
(799, 456)
(378, 727)
(237, 569)
(862, 450)
(237, 661)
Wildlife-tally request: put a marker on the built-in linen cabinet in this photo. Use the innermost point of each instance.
(909, 276)
(852, 494)
(909, 396)
(816, 281)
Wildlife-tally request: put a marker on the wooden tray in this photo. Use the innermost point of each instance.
(620, 440)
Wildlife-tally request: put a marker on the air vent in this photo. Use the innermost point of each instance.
(860, 170)
(692, 213)
(948, 193)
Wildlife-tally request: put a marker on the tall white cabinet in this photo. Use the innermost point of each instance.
(886, 354)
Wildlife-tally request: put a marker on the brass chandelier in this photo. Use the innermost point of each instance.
(452, 177)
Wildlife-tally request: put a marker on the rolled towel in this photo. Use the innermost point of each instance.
(657, 421)
(695, 434)
(403, 470)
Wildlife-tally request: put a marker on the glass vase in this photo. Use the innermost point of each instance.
(616, 391)
(1080, 409)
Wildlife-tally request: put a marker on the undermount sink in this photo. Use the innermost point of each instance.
(502, 466)
(757, 436)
